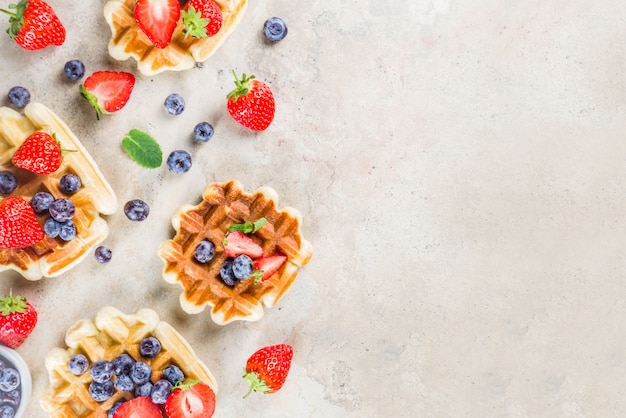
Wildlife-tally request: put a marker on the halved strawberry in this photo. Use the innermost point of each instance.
(108, 91)
(235, 243)
(19, 227)
(266, 266)
(193, 399)
(157, 19)
(140, 407)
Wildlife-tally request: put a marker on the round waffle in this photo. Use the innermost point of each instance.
(225, 204)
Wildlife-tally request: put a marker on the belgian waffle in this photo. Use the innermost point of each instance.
(224, 204)
(53, 256)
(129, 41)
(110, 334)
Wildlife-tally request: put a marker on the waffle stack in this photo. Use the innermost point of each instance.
(110, 334)
(53, 256)
(225, 204)
(129, 41)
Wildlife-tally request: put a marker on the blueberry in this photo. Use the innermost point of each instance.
(103, 254)
(101, 371)
(124, 383)
(67, 230)
(136, 210)
(242, 267)
(114, 407)
(179, 161)
(74, 70)
(78, 364)
(203, 131)
(62, 209)
(227, 274)
(9, 379)
(149, 347)
(173, 374)
(140, 372)
(100, 392)
(19, 96)
(41, 201)
(8, 182)
(12, 397)
(204, 251)
(160, 391)
(52, 228)
(122, 364)
(7, 411)
(144, 389)
(274, 29)
(174, 104)
(70, 183)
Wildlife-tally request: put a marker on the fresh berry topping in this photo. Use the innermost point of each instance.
(62, 209)
(19, 227)
(136, 210)
(103, 254)
(251, 103)
(248, 227)
(9, 379)
(78, 364)
(8, 182)
(143, 389)
(124, 383)
(236, 243)
(52, 228)
(174, 104)
(149, 347)
(13, 397)
(74, 70)
(202, 18)
(101, 391)
(204, 252)
(267, 368)
(140, 372)
(227, 274)
(193, 399)
(173, 374)
(179, 161)
(114, 408)
(67, 231)
(41, 201)
(266, 266)
(101, 371)
(34, 25)
(7, 411)
(40, 153)
(274, 29)
(108, 91)
(139, 407)
(19, 96)
(157, 19)
(122, 364)
(160, 391)
(70, 183)
(242, 267)
(203, 131)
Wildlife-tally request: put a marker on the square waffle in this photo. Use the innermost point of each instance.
(53, 256)
(110, 334)
(129, 41)
(225, 204)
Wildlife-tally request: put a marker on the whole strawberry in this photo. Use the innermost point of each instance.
(40, 153)
(266, 369)
(17, 320)
(35, 25)
(251, 103)
(202, 18)
(108, 91)
(19, 227)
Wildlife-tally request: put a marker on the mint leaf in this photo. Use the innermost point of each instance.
(248, 227)
(143, 149)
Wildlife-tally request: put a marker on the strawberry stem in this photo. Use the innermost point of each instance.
(10, 304)
(16, 19)
(93, 101)
(241, 86)
(256, 384)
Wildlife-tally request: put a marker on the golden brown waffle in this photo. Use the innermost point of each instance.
(53, 256)
(223, 205)
(129, 41)
(110, 334)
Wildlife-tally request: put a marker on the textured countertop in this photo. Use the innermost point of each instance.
(460, 169)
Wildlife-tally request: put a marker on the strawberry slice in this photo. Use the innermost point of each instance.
(157, 19)
(235, 243)
(19, 227)
(140, 407)
(193, 399)
(268, 265)
(108, 91)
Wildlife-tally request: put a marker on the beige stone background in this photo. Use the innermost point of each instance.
(460, 169)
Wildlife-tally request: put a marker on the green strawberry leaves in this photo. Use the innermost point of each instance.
(143, 149)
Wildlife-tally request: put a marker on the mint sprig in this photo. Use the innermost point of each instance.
(143, 149)
(248, 227)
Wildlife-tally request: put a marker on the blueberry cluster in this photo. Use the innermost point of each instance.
(236, 269)
(125, 374)
(10, 390)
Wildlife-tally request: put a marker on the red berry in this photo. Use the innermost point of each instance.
(140, 407)
(235, 243)
(202, 18)
(19, 227)
(157, 19)
(108, 91)
(17, 320)
(267, 368)
(40, 153)
(193, 399)
(269, 265)
(35, 25)
(251, 103)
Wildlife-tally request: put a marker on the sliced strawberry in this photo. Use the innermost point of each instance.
(268, 265)
(140, 407)
(19, 227)
(191, 400)
(108, 91)
(235, 243)
(157, 19)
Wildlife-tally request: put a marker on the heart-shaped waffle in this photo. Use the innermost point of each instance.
(225, 204)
